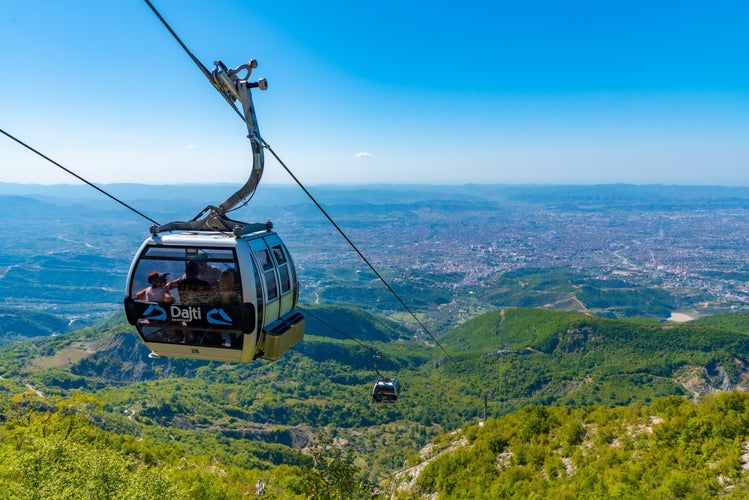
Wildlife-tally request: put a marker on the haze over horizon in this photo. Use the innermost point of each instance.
(577, 93)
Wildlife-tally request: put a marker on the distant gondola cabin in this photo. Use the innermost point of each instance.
(215, 296)
(386, 390)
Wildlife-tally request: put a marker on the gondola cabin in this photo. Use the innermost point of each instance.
(214, 296)
(386, 390)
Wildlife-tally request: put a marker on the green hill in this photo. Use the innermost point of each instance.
(738, 322)
(322, 383)
(544, 357)
(672, 448)
(261, 415)
(562, 289)
(19, 324)
(342, 322)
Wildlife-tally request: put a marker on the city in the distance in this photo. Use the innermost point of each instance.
(668, 252)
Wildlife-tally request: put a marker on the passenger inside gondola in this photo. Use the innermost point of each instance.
(157, 291)
(227, 294)
(207, 272)
(195, 309)
(192, 290)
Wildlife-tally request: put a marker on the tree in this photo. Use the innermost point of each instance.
(333, 474)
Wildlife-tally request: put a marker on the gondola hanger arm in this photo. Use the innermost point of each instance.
(233, 85)
(237, 87)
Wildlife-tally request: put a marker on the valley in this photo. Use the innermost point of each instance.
(543, 297)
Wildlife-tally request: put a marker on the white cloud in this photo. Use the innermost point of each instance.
(363, 154)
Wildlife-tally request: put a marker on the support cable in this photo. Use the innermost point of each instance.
(197, 62)
(77, 176)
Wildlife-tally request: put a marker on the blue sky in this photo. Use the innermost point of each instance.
(549, 92)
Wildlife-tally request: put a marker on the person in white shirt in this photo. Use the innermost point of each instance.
(157, 291)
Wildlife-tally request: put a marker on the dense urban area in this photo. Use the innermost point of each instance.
(688, 241)
(691, 243)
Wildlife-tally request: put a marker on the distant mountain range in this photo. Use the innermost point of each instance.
(279, 194)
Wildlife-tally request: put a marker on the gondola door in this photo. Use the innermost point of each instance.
(268, 275)
(286, 278)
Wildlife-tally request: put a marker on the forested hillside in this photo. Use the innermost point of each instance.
(565, 290)
(19, 324)
(254, 418)
(542, 357)
(671, 448)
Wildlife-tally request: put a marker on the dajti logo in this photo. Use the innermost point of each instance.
(218, 317)
(187, 314)
(154, 313)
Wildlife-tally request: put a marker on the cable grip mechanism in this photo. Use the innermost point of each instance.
(227, 80)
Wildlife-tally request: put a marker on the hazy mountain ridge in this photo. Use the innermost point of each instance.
(621, 194)
(632, 196)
